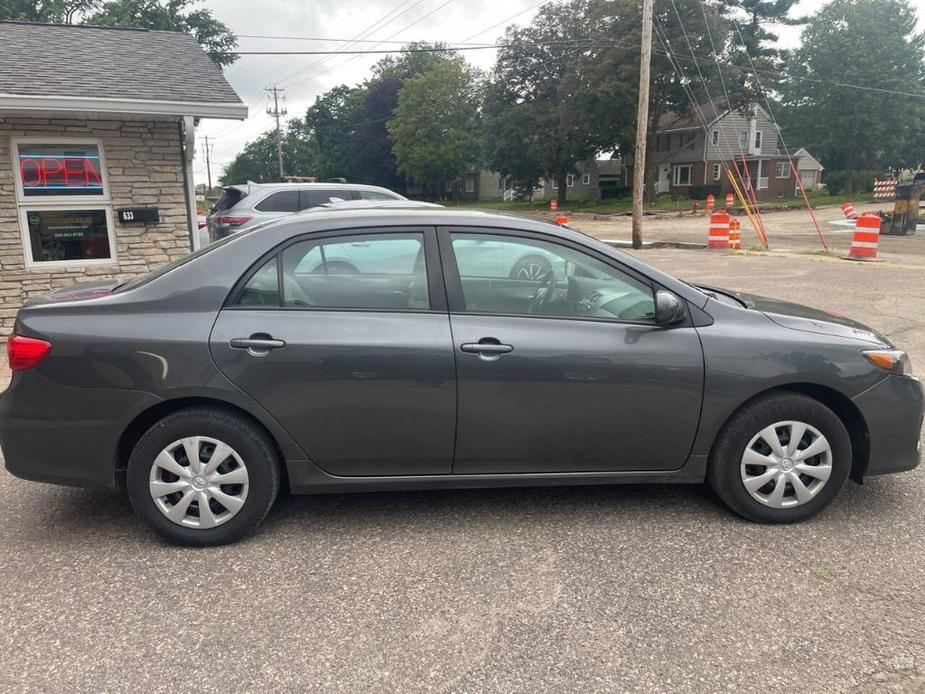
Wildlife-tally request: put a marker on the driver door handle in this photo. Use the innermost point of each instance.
(488, 348)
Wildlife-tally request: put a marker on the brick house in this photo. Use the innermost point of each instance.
(96, 148)
(684, 154)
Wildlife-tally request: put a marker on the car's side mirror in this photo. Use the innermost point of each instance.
(669, 308)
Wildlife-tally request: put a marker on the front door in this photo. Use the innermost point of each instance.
(344, 340)
(565, 372)
(664, 180)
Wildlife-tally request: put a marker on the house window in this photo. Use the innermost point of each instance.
(743, 140)
(470, 184)
(683, 175)
(714, 137)
(687, 140)
(782, 169)
(569, 180)
(63, 203)
(586, 179)
(717, 172)
(663, 143)
(758, 137)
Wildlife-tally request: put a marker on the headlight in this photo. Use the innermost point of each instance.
(893, 360)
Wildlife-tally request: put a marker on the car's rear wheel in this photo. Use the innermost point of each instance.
(781, 459)
(203, 477)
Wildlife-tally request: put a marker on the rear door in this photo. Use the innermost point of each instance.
(344, 338)
(563, 370)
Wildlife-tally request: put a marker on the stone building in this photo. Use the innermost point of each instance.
(97, 130)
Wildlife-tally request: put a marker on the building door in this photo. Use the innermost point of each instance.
(664, 179)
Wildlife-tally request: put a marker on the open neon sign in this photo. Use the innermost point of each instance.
(60, 174)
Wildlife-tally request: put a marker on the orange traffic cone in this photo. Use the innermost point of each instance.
(866, 237)
(711, 203)
(719, 230)
(730, 200)
(847, 209)
(553, 205)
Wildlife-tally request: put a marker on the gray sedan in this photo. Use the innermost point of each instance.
(428, 363)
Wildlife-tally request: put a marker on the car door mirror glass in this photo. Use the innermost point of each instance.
(669, 308)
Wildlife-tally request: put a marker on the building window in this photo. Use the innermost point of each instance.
(758, 137)
(683, 175)
(62, 197)
(687, 140)
(717, 172)
(743, 140)
(714, 137)
(782, 169)
(470, 184)
(570, 180)
(586, 179)
(663, 143)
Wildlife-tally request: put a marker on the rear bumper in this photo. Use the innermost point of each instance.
(63, 435)
(893, 410)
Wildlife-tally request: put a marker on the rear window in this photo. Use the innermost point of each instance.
(283, 201)
(376, 195)
(230, 198)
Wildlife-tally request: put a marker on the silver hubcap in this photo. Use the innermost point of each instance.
(786, 464)
(532, 271)
(198, 482)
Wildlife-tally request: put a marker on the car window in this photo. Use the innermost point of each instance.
(262, 289)
(283, 201)
(314, 197)
(515, 275)
(376, 195)
(375, 271)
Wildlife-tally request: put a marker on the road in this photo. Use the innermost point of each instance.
(628, 589)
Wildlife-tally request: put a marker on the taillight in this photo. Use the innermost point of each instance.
(232, 220)
(26, 352)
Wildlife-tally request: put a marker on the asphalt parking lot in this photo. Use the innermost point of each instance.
(620, 589)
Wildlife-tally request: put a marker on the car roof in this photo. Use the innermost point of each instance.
(252, 187)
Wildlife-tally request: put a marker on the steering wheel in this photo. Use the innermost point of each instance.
(544, 292)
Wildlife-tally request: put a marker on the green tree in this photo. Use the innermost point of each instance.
(436, 126)
(867, 43)
(256, 162)
(372, 158)
(168, 15)
(328, 128)
(753, 46)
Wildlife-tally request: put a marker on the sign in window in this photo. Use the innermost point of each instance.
(68, 235)
(50, 170)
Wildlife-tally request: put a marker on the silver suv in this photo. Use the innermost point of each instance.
(243, 206)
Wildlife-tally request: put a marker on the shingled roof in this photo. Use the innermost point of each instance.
(96, 65)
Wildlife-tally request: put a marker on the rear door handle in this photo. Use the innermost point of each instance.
(488, 348)
(258, 344)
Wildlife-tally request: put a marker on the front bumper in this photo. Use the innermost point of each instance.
(65, 435)
(893, 410)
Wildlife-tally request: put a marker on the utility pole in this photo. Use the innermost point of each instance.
(207, 152)
(277, 112)
(642, 123)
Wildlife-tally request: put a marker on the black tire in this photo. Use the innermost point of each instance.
(725, 473)
(253, 446)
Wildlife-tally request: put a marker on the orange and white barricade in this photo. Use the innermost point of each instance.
(730, 200)
(735, 234)
(848, 210)
(710, 204)
(866, 237)
(553, 205)
(719, 230)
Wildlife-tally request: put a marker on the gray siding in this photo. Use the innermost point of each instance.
(729, 127)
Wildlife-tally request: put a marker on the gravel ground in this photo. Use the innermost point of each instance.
(630, 589)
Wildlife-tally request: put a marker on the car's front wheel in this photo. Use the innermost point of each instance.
(203, 477)
(781, 459)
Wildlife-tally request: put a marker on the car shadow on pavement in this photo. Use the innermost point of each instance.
(65, 515)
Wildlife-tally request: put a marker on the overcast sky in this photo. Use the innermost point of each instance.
(305, 77)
